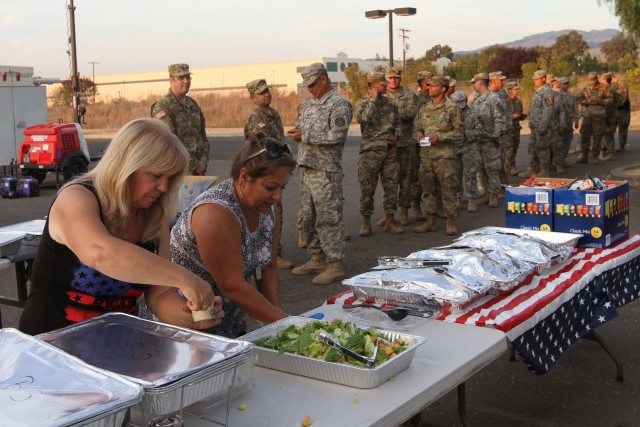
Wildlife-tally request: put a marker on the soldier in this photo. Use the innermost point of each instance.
(452, 87)
(184, 117)
(541, 112)
(624, 112)
(611, 122)
(595, 98)
(408, 104)
(265, 120)
(513, 133)
(484, 123)
(559, 121)
(381, 129)
(469, 157)
(423, 86)
(572, 113)
(496, 85)
(441, 122)
(321, 130)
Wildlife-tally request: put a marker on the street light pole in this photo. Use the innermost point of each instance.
(400, 11)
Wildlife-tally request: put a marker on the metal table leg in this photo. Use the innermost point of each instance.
(594, 336)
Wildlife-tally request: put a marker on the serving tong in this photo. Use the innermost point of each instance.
(328, 340)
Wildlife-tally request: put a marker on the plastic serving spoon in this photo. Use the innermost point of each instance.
(394, 313)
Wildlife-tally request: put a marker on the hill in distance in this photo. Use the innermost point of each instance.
(594, 39)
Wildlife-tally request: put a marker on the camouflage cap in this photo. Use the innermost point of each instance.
(177, 70)
(257, 86)
(497, 75)
(377, 77)
(452, 82)
(392, 72)
(512, 85)
(479, 76)
(606, 76)
(424, 75)
(563, 80)
(539, 74)
(459, 97)
(439, 81)
(592, 76)
(312, 73)
(551, 78)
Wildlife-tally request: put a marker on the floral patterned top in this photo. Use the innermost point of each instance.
(256, 251)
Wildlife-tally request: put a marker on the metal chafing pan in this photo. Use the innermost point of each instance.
(42, 385)
(349, 375)
(176, 366)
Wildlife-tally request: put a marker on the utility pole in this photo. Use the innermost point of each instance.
(404, 38)
(75, 77)
(93, 78)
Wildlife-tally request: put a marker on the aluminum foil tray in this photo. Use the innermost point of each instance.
(565, 239)
(42, 385)
(149, 353)
(348, 375)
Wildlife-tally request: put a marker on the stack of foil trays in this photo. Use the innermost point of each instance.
(40, 385)
(450, 278)
(177, 367)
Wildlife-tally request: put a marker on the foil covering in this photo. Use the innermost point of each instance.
(349, 375)
(42, 385)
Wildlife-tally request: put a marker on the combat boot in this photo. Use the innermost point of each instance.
(471, 207)
(416, 213)
(404, 216)
(316, 264)
(391, 226)
(531, 170)
(365, 230)
(302, 240)
(582, 158)
(429, 225)
(594, 159)
(382, 221)
(560, 169)
(283, 263)
(451, 227)
(545, 172)
(483, 199)
(514, 171)
(333, 272)
(493, 200)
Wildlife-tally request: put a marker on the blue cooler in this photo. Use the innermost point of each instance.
(28, 187)
(9, 183)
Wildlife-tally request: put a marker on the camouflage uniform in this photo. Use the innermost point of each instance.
(570, 104)
(485, 120)
(504, 133)
(611, 122)
(513, 134)
(186, 121)
(558, 121)
(593, 118)
(265, 120)
(541, 113)
(379, 121)
(624, 113)
(470, 158)
(438, 161)
(324, 124)
(408, 104)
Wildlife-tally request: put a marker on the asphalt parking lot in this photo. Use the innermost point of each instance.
(580, 390)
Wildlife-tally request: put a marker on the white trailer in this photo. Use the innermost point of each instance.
(21, 105)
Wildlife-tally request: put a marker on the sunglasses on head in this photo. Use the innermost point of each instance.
(273, 150)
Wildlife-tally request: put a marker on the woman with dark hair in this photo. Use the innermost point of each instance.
(106, 240)
(230, 233)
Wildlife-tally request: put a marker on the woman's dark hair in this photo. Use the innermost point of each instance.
(261, 155)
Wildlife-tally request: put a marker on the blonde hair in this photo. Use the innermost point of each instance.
(144, 144)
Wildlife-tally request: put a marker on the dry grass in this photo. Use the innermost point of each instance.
(220, 111)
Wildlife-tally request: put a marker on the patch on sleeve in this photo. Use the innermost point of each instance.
(340, 122)
(160, 114)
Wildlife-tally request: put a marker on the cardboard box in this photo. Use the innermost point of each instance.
(193, 186)
(531, 207)
(602, 217)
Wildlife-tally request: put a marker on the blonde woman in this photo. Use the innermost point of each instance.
(106, 239)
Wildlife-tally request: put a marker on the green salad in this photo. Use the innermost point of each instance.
(304, 341)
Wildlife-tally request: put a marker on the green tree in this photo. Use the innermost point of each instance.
(628, 13)
(568, 54)
(619, 46)
(357, 79)
(463, 68)
(439, 51)
(63, 95)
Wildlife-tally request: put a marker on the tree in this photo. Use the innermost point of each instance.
(509, 60)
(628, 13)
(619, 46)
(572, 42)
(358, 87)
(464, 68)
(438, 51)
(63, 95)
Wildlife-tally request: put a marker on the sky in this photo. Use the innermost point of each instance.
(124, 36)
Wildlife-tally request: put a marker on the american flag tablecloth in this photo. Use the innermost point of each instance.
(547, 314)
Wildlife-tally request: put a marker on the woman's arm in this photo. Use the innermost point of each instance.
(74, 221)
(217, 232)
(269, 284)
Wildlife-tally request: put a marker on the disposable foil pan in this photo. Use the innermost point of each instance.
(349, 375)
(42, 385)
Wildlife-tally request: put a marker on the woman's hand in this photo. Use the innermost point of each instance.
(217, 314)
(198, 293)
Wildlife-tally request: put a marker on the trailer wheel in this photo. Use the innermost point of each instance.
(78, 166)
(39, 175)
